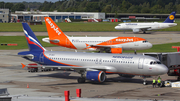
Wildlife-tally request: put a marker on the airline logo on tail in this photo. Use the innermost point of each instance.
(171, 17)
(32, 41)
(53, 26)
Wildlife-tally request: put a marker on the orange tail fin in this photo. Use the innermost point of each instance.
(23, 65)
(55, 33)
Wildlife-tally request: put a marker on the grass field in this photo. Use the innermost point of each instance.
(22, 44)
(74, 26)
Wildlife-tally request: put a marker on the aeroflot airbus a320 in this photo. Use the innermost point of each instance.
(91, 66)
(138, 27)
(107, 44)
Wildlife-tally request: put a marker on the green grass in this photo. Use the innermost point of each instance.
(74, 26)
(66, 27)
(22, 44)
(21, 41)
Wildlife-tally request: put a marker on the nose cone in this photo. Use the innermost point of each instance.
(163, 69)
(150, 45)
(116, 27)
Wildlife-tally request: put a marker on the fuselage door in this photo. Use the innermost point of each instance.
(41, 58)
(136, 42)
(141, 61)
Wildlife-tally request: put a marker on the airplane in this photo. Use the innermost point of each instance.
(138, 27)
(107, 44)
(91, 66)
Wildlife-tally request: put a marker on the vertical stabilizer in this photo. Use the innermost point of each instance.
(56, 36)
(32, 41)
(170, 18)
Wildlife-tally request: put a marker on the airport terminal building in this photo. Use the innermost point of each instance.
(56, 16)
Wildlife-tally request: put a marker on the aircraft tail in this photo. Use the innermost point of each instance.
(54, 31)
(170, 18)
(32, 41)
(56, 35)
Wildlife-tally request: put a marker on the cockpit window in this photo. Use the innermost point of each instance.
(145, 41)
(154, 62)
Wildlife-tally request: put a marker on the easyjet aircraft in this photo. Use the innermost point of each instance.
(107, 44)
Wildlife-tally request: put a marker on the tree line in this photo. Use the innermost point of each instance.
(107, 6)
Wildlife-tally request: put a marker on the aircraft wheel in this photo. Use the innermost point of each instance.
(81, 80)
(144, 83)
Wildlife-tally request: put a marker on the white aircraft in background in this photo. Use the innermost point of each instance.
(107, 44)
(138, 27)
(91, 66)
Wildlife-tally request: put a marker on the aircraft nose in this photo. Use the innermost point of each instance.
(116, 27)
(163, 69)
(150, 45)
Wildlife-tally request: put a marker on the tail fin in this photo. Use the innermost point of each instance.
(56, 36)
(170, 18)
(32, 41)
(54, 31)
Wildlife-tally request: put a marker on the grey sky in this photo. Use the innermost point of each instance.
(28, 0)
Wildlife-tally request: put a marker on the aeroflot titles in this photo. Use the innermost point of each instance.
(124, 39)
(127, 57)
(52, 26)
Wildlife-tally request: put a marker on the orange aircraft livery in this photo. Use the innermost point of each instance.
(107, 44)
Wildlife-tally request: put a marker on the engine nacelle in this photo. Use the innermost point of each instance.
(126, 75)
(136, 30)
(98, 76)
(91, 49)
(116, 50)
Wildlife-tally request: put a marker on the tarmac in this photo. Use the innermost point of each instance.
(54, 83)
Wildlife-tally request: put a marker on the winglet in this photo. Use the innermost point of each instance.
(23, 65)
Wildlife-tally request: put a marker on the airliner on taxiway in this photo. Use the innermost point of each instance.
(107, 44)
(91, 66)
(138, 27)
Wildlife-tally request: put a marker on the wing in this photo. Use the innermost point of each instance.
(108, 49)
(138, 29)
(86, 68)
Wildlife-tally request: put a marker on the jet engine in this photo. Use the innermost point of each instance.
(114, 50)
(136, 30)
(98, 76)
(126, 75)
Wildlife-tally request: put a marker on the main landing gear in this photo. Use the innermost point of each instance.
(81, 79)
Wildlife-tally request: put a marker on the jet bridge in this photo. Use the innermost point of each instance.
(171, 60)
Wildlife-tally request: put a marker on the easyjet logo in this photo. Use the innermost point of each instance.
(124, 39)
(53, 27)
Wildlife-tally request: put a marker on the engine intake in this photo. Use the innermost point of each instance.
(98, 76)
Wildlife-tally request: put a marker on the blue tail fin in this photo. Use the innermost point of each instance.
(170, 18)
(32, 41)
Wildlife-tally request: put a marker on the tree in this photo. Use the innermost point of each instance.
(18, 7)
(9, 5)
(107, 9)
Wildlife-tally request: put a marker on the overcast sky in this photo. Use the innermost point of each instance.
(28, 0)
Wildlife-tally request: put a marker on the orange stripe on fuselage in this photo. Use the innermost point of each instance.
(55, 32)
(119, 40)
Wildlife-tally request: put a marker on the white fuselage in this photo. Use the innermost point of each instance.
(147, 26)
(113, 63)
(81, 43)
